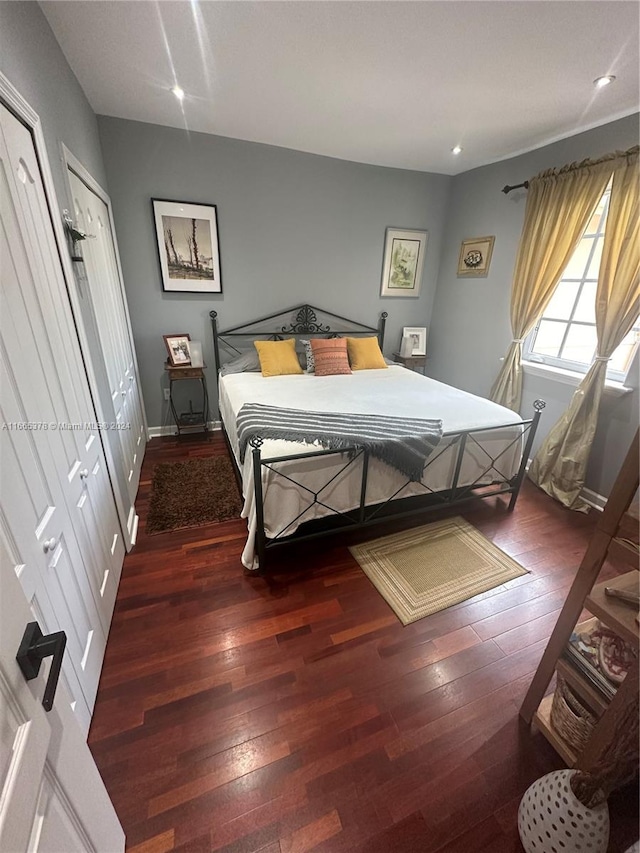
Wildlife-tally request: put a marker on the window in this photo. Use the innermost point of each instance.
(566, 333)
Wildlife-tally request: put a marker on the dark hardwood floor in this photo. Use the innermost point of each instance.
(295, 713)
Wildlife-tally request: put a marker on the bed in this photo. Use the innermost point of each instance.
(295, 490)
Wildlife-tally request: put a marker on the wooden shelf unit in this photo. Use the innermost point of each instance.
(617, 615)
(582, 687)
(615, 535)
(624, 550)
(542, 719)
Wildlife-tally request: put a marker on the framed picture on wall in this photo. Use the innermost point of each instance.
(475, 257)
(188, 248)
(403, 262)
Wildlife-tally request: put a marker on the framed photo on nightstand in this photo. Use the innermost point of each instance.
(178, 349)
(418, 335)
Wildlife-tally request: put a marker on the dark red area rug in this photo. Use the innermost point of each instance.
(192, 493)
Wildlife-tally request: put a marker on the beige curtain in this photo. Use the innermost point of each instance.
(559, 206)
(560, 465)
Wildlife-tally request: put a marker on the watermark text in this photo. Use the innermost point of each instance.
(62, 426)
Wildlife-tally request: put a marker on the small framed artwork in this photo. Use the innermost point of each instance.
(403, 262)
(188, 249)
(418, 335)
(475, 256)
(178, 349)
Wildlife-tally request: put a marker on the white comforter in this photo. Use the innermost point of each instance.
(396, 391)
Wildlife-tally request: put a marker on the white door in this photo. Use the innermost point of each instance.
(56, 497)
(103, 283)
(52, 798)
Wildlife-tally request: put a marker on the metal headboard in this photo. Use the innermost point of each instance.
(292, 322)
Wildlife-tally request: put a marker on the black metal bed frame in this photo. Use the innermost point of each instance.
(305, 322)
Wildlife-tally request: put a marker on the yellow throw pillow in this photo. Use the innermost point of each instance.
(278, 358)
(364, 354)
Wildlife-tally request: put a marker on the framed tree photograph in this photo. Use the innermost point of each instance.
(188, 248)
(403, 262)
(475, 257)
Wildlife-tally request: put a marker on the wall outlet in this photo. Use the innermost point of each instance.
(166, 394)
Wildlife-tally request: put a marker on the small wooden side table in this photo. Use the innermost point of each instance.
(188, 422)
(412, 362)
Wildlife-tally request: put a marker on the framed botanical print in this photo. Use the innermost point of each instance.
(188, 248)
(403, 263)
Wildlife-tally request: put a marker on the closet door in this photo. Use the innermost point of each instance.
(103, 283)
(56, 501)
(52, 799)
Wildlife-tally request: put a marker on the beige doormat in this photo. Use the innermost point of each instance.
(430, 568)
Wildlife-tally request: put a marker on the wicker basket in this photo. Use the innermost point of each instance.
(569, 717)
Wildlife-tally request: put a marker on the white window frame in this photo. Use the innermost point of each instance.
(565, 365)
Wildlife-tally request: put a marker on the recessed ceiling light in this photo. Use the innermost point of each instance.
(178, 92)
(599, 82)
(456, 149)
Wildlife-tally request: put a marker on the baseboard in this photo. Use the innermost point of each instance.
(588, 496)
(158, 431)
(132, 527)
(134, 530)
(593, 499)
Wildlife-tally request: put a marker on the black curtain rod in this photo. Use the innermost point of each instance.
(508, 189)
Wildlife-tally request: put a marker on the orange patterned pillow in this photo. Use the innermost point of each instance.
(330, 356)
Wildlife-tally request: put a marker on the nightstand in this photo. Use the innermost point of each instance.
(187, 422)
(412, 362)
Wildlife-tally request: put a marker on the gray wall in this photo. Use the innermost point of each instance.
(293, 228)
(32, 60)
(470, 329)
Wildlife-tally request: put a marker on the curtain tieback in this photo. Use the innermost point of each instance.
(517, 340)
(602, 358)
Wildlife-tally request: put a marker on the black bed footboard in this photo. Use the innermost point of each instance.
(365, 515)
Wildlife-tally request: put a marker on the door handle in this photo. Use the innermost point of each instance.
(34, 648)
(84, 473)
(49, 544)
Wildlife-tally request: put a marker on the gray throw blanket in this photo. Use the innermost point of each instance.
(404, 443)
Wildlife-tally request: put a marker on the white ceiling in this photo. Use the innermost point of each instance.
(390, 83)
